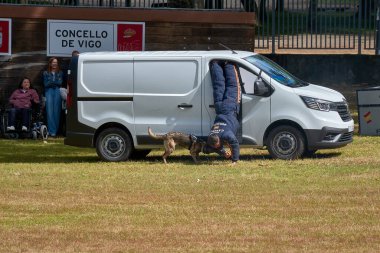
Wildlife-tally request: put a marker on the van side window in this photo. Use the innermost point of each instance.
(108, 76)
(248, 79)
(166, 76)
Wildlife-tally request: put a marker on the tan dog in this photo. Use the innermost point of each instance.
(172, 139)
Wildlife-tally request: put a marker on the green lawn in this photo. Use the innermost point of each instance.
(55, 198)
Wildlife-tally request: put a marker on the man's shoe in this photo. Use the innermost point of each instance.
(24, 129)
(11, 128)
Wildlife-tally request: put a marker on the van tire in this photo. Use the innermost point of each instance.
(113, 145)
(286, 142)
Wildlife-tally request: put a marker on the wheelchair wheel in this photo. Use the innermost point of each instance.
(44, 132)
(34, 135)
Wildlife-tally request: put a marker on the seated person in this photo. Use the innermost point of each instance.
(227, 98)
(21, 101)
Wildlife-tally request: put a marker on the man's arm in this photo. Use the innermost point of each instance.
(222, 152)
(234, 145)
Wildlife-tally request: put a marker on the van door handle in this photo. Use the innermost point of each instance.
(183, 106)
(211, 106)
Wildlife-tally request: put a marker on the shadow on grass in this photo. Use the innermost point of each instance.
(43, 159)
(203, 159)
(29, 151)
(19, 151)
(186, 159)
(323, 156)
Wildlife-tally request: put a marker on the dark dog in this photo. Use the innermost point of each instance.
(172, 139)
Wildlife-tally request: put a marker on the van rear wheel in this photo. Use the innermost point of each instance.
(286, 142)
(113, 145)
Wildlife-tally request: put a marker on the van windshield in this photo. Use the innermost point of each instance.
(275, 71)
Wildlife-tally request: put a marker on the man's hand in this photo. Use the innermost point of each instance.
(233, 163)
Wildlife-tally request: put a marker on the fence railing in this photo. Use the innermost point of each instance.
(316, 24)
(281, 24)
(227, 5)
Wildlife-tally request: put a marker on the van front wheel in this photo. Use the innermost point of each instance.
(286, 142)
(113, 145)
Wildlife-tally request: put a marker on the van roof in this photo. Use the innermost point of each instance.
(213, 53)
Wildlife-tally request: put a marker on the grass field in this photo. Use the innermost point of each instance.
(55, 198)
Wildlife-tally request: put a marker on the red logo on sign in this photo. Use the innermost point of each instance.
(4, 36)
(130, 37)
(368, 117)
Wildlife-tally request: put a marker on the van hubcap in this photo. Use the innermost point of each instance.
(113, 145)
(286, 143)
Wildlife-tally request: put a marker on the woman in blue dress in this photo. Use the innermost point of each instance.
(53, 78)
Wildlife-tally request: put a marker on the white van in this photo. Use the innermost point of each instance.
(114, 97)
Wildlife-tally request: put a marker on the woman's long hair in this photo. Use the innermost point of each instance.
(49, 65)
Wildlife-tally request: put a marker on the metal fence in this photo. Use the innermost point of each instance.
(281, 24)
(316, 24)
(232, 5)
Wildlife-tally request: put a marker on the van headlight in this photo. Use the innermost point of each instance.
(319, 104)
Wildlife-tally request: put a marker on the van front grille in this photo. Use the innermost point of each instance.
(342, 109)
(346, 137)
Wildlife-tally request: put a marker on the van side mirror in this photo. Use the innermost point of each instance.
(261, 89)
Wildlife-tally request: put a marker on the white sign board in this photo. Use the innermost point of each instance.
(65, 36)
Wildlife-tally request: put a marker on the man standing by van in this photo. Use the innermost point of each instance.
(227, 96)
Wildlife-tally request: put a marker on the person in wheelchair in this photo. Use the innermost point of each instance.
(21, 102)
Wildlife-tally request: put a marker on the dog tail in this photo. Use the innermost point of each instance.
(153, 135)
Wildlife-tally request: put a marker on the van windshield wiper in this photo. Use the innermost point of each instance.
(301, 84)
